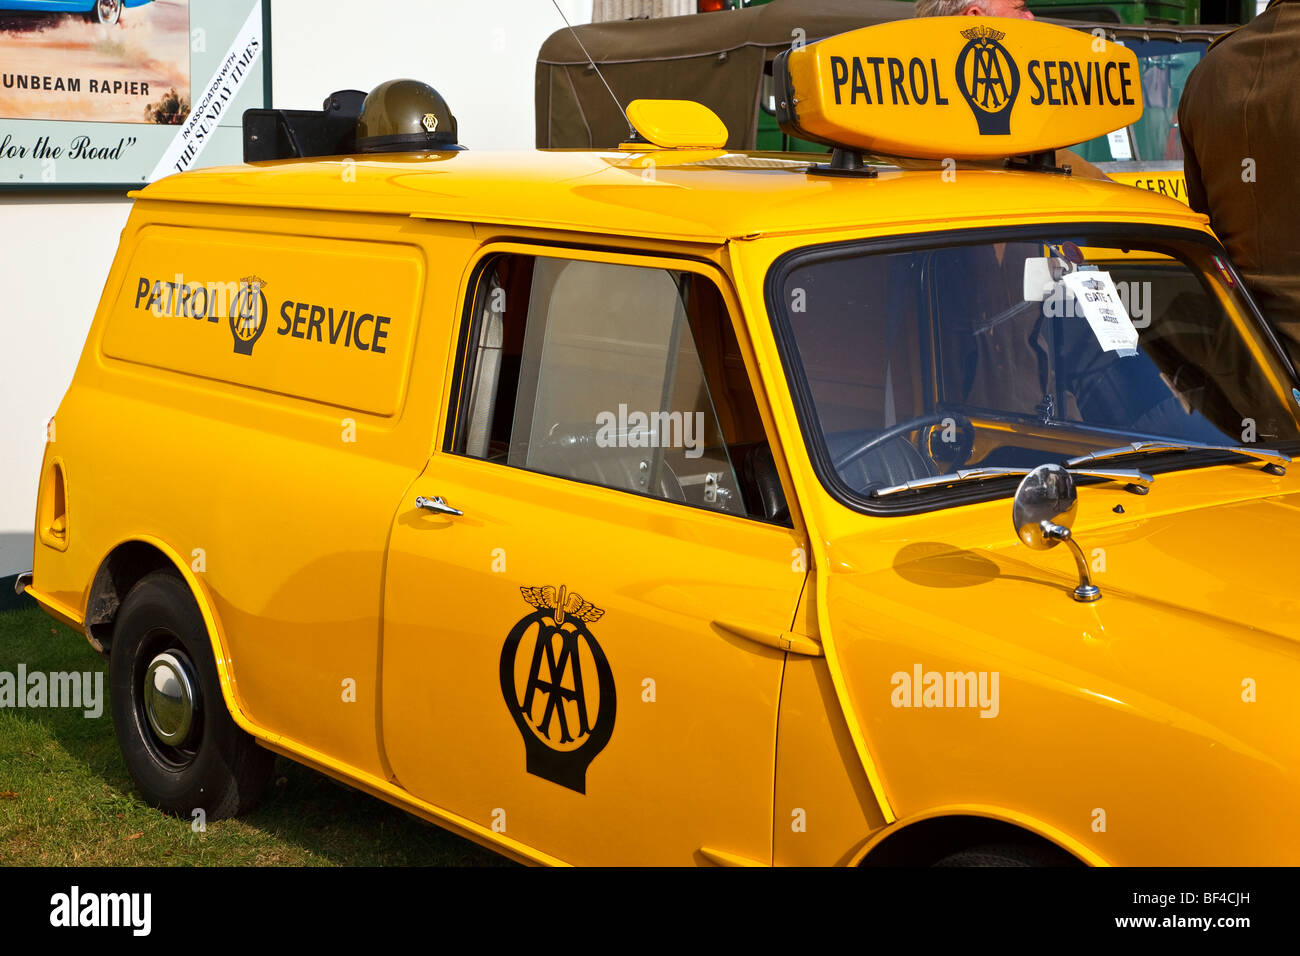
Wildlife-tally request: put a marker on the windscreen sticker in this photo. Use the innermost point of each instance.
(1100, 301)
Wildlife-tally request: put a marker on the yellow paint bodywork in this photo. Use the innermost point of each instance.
(286, 503)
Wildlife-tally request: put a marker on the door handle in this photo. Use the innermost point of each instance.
(436, 505)
(791, 641)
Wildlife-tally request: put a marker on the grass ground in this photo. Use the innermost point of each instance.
(66, 798)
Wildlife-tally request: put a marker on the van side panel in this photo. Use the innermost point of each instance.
(330, 320)
(274, 468)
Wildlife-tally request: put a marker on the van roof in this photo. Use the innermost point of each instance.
(736, 195)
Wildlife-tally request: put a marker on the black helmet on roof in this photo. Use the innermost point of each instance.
(404, 116)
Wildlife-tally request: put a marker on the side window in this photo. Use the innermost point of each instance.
(623, 376)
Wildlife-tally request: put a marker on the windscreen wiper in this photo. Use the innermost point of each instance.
(1137, 482)
(1275, 462)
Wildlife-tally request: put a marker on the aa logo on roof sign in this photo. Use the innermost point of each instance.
(988, 79)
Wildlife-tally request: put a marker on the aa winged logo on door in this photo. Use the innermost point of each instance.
(559, 686)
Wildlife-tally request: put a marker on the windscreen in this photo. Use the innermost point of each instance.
(1018, 350)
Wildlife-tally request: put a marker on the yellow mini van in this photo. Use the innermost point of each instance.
(667, 505)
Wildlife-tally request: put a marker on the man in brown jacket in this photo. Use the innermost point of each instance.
(1239, 119)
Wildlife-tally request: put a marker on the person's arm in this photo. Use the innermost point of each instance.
(1191, 167)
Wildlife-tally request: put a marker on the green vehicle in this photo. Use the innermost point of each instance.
(1166, 56)
(1138, 12)
(1134, 12)
(1157, 11)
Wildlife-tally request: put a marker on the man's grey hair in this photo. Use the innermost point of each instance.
(942, 8)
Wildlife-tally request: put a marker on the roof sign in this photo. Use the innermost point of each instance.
(960, 87)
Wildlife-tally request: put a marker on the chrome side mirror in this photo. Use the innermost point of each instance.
(1046, 497)
(1043, 511)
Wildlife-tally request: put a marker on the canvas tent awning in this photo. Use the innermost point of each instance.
(717, 59)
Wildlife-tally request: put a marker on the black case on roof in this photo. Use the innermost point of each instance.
(297, 134)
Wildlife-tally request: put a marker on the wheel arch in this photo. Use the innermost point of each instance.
(925, 838)
(120, 570)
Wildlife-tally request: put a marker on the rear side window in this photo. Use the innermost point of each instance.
(623, 376)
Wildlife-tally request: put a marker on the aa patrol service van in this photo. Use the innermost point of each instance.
(669, 505)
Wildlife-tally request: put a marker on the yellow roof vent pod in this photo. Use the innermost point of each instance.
(675, 124)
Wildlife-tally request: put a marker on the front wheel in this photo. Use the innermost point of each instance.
(107, 12)
(180, 744)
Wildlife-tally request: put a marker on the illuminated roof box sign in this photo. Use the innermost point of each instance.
(962, 87)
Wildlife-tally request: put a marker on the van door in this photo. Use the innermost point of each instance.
(556, 665)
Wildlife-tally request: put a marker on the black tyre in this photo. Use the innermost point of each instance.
(178, 740)
(1006, 854)
(107, 12)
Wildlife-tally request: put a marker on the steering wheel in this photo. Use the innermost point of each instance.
(961, 448)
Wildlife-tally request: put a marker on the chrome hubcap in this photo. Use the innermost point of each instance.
(170, 697)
